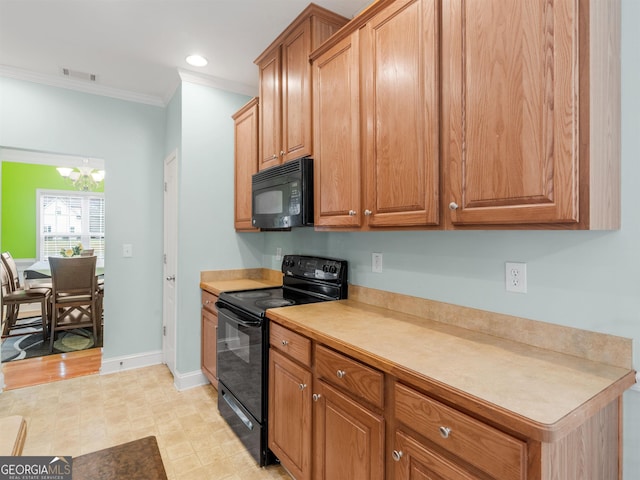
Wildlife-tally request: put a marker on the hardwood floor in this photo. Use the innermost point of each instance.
(52, 368)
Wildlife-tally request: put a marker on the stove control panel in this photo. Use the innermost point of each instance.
(320, 268)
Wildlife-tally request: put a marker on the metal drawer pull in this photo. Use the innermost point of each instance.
(368, 212)
(285, 342)
(341, 373)
(316, 397)
(397, 455)
(302, 386)
(444, 432)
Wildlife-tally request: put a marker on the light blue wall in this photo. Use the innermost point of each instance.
(129, 137)
(206, 237)
(587, 280)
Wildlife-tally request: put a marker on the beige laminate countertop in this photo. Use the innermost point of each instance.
(542, 392)
(218, 286)
(218, 281)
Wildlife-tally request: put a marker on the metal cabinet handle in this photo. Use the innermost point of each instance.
(316, 397)
(341, 373)
(302, 386)
(282, 153)
(368, 212)
(285, 342)
(274, 156)
(397, 455)
(352, 213)
(453, 206)
(444, 432)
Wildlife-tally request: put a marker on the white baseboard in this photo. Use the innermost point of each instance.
(130, 362)
(185, 381)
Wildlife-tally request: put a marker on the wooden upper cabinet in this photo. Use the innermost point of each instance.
(285, 86)
(246, 161)
(531, 121)
(376, 121)
(270, 110)
(400, 102)
(337, 172)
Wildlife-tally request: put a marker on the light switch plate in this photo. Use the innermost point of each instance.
(127, 250)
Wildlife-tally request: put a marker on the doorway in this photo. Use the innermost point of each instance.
(170, 281)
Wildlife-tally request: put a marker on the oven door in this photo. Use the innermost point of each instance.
(240, 358)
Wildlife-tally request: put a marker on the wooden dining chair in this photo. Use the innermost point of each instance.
(12, 298)
(75, 295)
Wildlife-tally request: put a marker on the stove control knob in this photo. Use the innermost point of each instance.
(333, 269)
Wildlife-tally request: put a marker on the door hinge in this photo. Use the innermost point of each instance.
(164, 330)
(164, 258)
(165, 186)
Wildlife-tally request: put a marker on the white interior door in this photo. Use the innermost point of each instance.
(170, 279)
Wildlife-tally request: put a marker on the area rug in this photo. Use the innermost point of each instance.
(30, 342)
(137, 460)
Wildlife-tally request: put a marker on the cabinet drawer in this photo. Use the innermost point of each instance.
(209, 301)
(488, 449)
(352, 376)
(291, 343)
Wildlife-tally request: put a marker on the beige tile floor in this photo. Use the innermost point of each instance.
(82, 415)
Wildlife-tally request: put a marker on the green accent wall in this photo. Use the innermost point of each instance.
(20, 181)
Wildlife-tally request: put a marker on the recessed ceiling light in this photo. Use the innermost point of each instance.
(197, 61)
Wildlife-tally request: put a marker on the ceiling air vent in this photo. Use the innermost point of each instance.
(88, 77)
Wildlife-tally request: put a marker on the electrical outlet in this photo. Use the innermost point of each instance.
(278, 253)
(516, 277)
(376, 262)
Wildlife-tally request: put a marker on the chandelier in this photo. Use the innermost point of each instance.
(83, 178)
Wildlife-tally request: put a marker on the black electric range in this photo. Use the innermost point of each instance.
(243, 341)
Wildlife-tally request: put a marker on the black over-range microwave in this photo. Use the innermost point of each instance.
(282, 196)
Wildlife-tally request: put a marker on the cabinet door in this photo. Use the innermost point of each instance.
(336, 126)
(290, 414)
(400, 61)
(246, 162)
(296, 94)
(270, 110)
(349, 439)
(209, 336)
(510, 93)
(415, 462)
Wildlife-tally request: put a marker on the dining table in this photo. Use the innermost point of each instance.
(41, 269)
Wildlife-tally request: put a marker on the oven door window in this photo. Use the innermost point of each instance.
(240, 353)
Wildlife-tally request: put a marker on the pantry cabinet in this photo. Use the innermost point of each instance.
(246, 162)
(285, 86)
(208, 347)
(378, 88)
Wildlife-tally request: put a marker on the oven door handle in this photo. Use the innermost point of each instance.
(236, 318)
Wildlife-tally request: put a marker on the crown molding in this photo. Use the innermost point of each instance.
(77, 85)
(216, 82)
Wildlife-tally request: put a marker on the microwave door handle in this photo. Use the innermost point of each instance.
(236, 318)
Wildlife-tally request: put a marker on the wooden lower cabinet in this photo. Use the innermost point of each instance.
(348, 437)
(335, 417)
(290, 414)
(209, 335)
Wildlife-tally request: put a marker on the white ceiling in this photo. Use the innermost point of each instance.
(137, 48)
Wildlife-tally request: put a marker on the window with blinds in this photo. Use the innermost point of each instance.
(68, 218)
